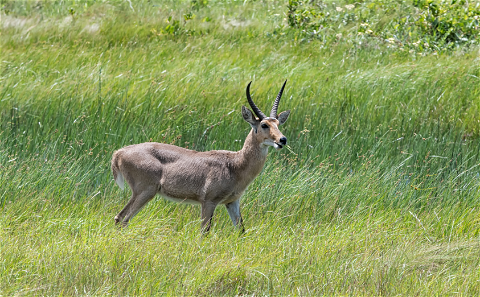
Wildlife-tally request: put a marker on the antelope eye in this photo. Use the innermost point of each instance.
(264, 126)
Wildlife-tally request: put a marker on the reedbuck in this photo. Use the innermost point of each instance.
(206, 178)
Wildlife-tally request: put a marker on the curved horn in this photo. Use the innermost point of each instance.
(273, 113)
(255, 109)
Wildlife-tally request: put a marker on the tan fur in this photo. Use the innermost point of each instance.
(206, 178)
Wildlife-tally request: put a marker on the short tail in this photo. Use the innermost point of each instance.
(117, 174)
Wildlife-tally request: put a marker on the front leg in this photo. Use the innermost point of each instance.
(233, 209)
(207, 214)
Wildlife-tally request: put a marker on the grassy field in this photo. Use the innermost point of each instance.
(377, 195)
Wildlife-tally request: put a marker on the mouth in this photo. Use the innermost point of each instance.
(278, 146)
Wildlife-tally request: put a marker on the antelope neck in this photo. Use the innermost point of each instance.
(253, 150)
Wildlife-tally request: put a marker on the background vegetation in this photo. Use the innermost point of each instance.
(377, 195)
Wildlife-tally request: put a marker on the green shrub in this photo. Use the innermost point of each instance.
(175, 27)
(420, 25)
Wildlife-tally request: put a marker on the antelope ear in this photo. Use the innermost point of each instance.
(249, 117)
(283, 116)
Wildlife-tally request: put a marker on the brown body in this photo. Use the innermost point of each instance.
(206, 178)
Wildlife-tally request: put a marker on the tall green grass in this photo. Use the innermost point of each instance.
(377, 196)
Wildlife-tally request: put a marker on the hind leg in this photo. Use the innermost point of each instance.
(119, 217)
(136, 203)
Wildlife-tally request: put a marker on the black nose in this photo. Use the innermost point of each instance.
(283, 140)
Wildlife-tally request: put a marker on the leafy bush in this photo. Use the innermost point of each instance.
(443, 24)
(420, 25)
(174, 27)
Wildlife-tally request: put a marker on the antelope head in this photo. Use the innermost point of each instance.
(266, 128)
